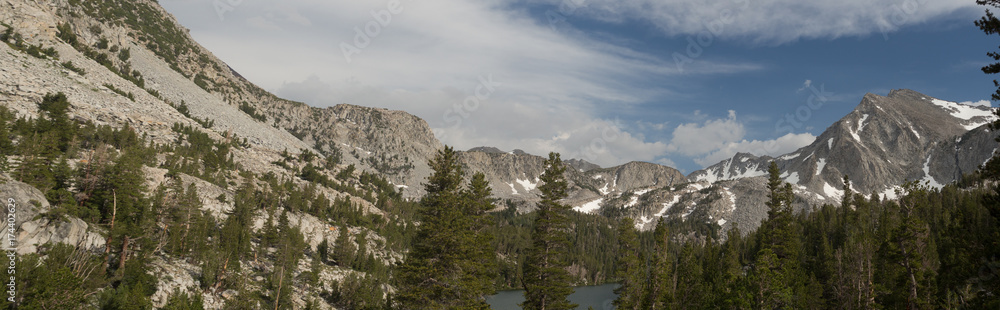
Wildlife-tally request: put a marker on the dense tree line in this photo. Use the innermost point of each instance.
(928, 249)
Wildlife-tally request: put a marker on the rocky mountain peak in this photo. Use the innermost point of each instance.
(883, 142)
(486, 149)
(581, 165)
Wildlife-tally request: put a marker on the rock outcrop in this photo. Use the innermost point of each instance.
(35, 224)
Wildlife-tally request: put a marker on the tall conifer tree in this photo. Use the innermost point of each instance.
(631, 268)
(546, 281)
(448, 264)
(662, 285)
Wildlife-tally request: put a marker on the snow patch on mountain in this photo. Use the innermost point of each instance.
(688, 212)
(854, 132)
(890, 193)
(666, 207)
(726, 173)
(792, 178)
(830, 191)
(855, 135)
(632, 202)
(635, 197)
(988, 159)
(589, 207)
(820, 164)
(967, 112)
(732, 199)
(927, 174)
(527, 184)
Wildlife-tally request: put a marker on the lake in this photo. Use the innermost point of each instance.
(598, 296)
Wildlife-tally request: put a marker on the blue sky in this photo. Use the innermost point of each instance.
(599, 79)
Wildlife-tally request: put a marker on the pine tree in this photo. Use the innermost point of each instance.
(323, 251)
(845, 202)
(482, 264)
(120, 197)
(991, 25)
(235, 233)
(445, 267)
(6, 141)
(546, 281)
(909, 254)
(991, 170)
(662, 285)
(690, 282)
(731, 288)
(343, 249)
(56, 122)
(630, 269)
(777, 263)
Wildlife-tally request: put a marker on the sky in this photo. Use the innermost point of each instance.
(683, 83)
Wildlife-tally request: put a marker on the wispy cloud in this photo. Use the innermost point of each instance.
(556, 89)
(553, 90)
(775, 21)
(716, 139)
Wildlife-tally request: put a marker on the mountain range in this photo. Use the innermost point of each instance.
(148, 73)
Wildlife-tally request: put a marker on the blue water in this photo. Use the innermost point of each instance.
(599, 297)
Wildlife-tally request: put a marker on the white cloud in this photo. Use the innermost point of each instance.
(429, 58)
(500, 121)
(261, 23)
(805, 85)
(717, 139)
(780, 146)
(775, 21)
(669, 163)
(695, 139)
(594, 140)
(651, 126)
